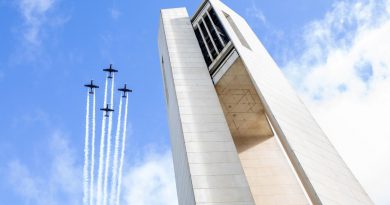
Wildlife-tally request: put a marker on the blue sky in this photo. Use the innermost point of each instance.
(333, 52)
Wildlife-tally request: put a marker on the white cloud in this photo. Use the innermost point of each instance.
(25, 184)
(65, 172)
(256, 12)
(151, 182)
(40, 20)
(34, 13)
(343, 75)
(62, 184)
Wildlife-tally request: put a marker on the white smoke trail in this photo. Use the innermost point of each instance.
(91, 186)
(122, 154)
(116, 150)
(86, 157)
(108, 153)
(101, 153)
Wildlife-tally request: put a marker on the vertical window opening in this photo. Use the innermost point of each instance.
(221, 31)
(203, 47)
(207, 38)
(213, 33)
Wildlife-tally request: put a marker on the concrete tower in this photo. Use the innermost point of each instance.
(239, 133)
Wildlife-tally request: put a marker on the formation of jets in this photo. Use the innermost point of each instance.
(92, 87)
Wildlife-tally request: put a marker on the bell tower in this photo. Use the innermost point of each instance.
(239, 133)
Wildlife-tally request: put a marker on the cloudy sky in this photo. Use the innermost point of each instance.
(335, 53)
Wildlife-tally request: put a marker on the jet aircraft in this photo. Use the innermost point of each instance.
(107, 110)
(125, 90)
(91, 86)
(110, 70)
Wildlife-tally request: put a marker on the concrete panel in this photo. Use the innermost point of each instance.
(224, 195)
(182, 172)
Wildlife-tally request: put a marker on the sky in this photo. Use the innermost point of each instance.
(334, 53)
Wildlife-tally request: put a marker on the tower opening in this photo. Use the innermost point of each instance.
(270, 177)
